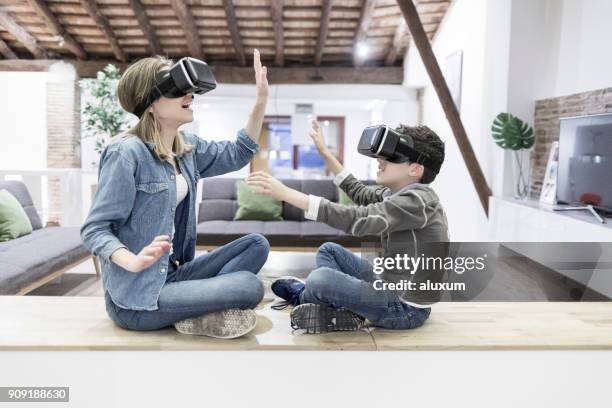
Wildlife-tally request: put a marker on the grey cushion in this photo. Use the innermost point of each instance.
(31, 257)
(8, 275)
(217, 209)
(234, 228)
(278, 233)
(245, 227)
(289, 228)
(219, 188)
(213, 228)
(291, 213)
(19, 190)
(311, 228)
(322, 188)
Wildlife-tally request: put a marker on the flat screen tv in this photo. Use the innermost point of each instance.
(585, 161)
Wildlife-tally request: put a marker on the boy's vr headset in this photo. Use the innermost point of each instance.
(187, 75)
(385, 143)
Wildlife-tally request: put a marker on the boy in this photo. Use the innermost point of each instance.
(345, 289)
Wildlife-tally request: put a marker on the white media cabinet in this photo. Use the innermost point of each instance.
(523, 225)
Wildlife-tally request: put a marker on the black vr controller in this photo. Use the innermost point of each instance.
(385, 143)
(186, 76)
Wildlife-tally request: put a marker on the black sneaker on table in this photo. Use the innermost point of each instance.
(314, 318)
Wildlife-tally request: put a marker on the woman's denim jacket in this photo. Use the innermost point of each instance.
(135, 202)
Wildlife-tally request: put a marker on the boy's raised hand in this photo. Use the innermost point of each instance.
(267, 184)
(332, 163)
(316, 134)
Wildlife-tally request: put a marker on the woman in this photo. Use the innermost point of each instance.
(142, 222)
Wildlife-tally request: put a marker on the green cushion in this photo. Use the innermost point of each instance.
(343, 198)
(256, 207)
(14, 221)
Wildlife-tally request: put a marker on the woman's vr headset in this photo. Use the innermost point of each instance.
(187, 75)
(385, 143)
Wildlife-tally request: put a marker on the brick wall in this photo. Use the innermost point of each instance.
(63, 134)
(546, 125)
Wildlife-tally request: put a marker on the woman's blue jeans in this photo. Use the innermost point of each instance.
(224, 278)
(344, 280)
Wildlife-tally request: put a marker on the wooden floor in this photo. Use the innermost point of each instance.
(81, 323)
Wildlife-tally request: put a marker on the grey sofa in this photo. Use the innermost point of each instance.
(32, 260)
(218, 206)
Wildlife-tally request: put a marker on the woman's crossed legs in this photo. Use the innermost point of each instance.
(224, 278)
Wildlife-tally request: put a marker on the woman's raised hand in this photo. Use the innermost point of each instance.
(149, 254)
(255, 122)
(316, 135)
(261, 76)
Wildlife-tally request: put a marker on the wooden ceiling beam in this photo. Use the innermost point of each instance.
(41, 8)
(6, 51)
(276, 8)
(422, 43)
(184, 15)
(232, 24)
(22, 35)
(323, 31)
(396, 44)
(101, 21)
(240, 75)
(313, 75)
(27, 65)
(146, 27)
(367, 12)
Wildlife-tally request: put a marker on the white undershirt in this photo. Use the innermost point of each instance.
(181, 192)
(181, 188)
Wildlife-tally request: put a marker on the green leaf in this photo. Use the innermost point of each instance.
(511, 133)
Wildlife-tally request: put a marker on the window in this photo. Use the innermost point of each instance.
(281, 158)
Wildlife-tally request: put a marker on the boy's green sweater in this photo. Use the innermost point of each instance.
(405, 221)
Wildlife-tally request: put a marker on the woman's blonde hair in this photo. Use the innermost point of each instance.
(133, 87)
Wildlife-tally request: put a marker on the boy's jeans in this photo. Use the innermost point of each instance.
(222, 279)
(342, 279)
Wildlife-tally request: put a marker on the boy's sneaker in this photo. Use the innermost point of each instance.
(315, 318)
(225, 324)
(289, 289)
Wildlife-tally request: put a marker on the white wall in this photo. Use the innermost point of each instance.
(585, 58)
(558, 47)
(221, 113)
(23, 128)
(514, 53)
(466, 27)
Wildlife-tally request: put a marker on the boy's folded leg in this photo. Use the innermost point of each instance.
(337, 290)
(335, 256)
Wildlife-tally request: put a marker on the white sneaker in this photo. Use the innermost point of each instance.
(226, 324)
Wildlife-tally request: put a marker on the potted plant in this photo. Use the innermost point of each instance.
(511, 133)
(102, 116)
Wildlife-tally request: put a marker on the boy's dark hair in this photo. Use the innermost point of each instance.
(426, 141)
